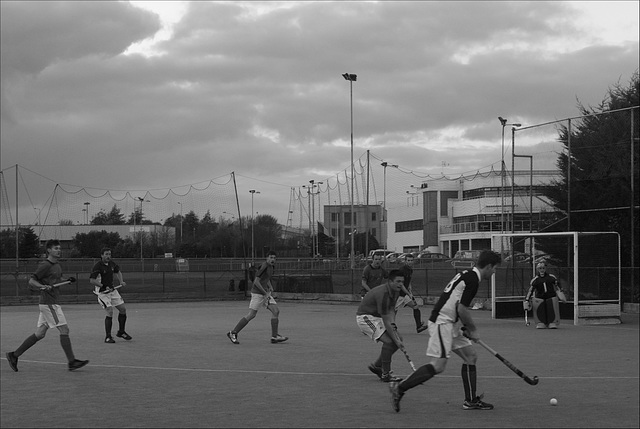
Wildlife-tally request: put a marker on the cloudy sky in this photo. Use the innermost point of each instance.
(154, 95)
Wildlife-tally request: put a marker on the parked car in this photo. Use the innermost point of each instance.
(383, 252)
(393, 257)
(403, 256)
(518, 258)
(433, 257)
(465, 258)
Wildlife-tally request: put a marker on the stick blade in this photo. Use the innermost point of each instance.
(533, 381)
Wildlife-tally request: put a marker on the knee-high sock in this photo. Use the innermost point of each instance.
(122, 320)
(108, 323)
(417, 316)
(26, 344)
(468, 373)
(65, 341)
(422, 374)
(241, 324)
(388, 349)
(274, 326)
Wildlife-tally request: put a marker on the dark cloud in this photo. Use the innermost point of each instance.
(262, 94)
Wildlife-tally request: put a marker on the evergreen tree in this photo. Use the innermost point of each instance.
(599, 182)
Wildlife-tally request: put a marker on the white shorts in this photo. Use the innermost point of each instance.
(371, 326)
(259, 300)
(51, 315)
(445, 337)
(403, 301)
(111, 299)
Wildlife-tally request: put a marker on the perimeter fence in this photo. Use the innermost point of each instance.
(227, 279)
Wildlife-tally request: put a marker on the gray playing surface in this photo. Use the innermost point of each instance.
(180, 370)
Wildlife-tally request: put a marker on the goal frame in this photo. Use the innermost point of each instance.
(576, 249)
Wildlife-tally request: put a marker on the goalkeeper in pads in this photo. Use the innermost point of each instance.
(376, 319)
(449, 316)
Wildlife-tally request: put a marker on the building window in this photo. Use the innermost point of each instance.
(373, 232)
(347, 218)
(333, 232)
(445, 196)
(409, 225)
(373, 216)
(334, 217)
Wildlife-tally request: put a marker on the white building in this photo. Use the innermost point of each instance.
(445, 215)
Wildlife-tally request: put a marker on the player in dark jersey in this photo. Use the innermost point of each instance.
(101, 278)
(406, 293)
(261, 297)
(372, 275)
(43, 280)
(450, 314)
(543, 291)
(376, 319)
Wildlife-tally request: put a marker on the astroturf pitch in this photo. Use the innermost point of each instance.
(180, 370)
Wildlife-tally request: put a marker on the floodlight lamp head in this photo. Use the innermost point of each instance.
(517, 125)
(502, 121)
(350, 77)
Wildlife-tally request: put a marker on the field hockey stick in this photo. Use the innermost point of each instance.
(532, 381)
(57, 284)
(413, 367)
(526, 313)
(98, 293)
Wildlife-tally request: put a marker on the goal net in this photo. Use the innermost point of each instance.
(587, 265)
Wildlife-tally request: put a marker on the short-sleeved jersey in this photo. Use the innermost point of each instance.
(544, 286)
(48, 273)
(407, 272)
(264, 273)
(379, 301)
(105, 271)
(373, 277)
(460, 290)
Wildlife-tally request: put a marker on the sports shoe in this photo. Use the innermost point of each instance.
(233, 337)
(124, 335)
(553, 326)
(278, 339)
(541, 326)
(396, 395)
(376, 370)
(109, 340)
(13, 361)
(422, 327)
(388, 377)
(77, 364)
(476, 404)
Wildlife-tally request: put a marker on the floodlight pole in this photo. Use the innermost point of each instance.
(351, 78)
(253, 252)
(86, 209)
(504, 123)
(180, 203)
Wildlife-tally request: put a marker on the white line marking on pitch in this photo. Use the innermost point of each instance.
(244, 371)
